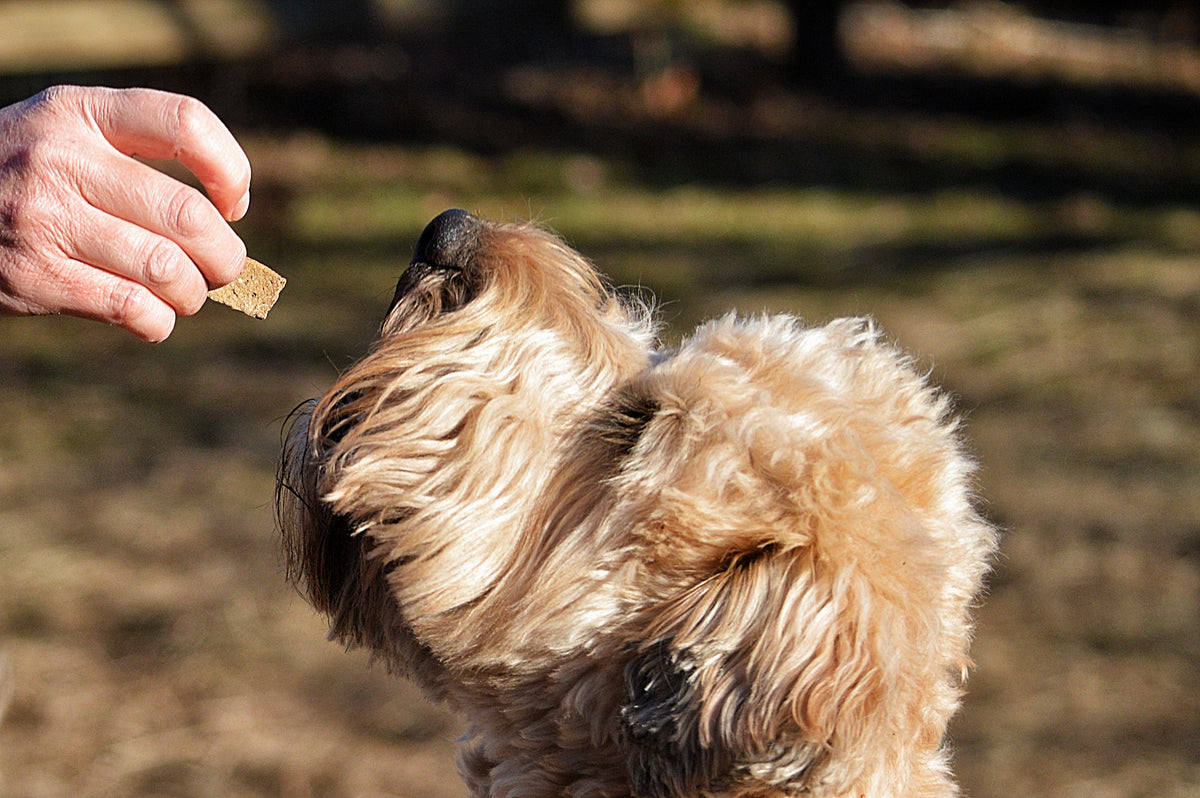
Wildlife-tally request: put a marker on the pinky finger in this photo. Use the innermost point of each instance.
(102, 296)
(136, 308)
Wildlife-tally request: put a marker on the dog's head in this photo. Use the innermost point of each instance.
(403, 488)
(742, 567)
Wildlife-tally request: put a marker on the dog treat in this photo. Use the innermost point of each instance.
(254, 292)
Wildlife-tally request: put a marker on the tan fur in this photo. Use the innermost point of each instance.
(739, 568)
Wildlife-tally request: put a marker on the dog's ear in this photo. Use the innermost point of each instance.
(754, 680)
(329, 563)
(335, 567)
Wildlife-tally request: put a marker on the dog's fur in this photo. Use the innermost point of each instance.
(742, 567)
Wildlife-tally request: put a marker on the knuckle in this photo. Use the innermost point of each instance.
(161, 263)
(56, 106)
(128, 305)
(136, 309)
(191, 118)
(58, 96)
(168, 272)
(188, 214)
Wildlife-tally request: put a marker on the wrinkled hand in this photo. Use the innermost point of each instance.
(87, 230)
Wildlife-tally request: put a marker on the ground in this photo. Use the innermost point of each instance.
(156, 650)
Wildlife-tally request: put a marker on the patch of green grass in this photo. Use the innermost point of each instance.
(823, 218)
(599, 204)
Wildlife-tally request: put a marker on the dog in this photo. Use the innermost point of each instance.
(739, 567)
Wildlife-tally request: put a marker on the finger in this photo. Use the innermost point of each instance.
(164, 126)
(148, 199)
(125, 303)
(129, 251)
(73, 288)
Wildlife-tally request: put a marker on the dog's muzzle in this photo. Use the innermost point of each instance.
(445, 245)
(447, 240)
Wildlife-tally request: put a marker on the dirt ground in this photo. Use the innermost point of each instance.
(154, 649)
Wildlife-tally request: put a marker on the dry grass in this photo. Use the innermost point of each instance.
(156, 650)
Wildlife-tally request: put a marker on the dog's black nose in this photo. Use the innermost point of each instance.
(446, 240)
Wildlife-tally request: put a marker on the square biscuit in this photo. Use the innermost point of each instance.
(254, 292)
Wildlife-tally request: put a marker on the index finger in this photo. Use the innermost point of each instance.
(161, 125)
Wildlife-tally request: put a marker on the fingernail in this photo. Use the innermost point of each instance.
(242, 206)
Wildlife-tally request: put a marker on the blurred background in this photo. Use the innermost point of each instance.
(1013, 191)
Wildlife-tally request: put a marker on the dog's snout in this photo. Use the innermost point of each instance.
(446, 240)
(440, 268)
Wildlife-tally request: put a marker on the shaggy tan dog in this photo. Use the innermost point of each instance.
(739, 568)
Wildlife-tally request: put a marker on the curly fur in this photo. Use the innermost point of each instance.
(743, 567)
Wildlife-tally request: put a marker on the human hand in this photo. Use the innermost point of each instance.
(86, 230)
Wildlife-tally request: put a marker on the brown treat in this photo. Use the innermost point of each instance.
(254, 291)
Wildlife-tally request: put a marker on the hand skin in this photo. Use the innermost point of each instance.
(87, 230)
